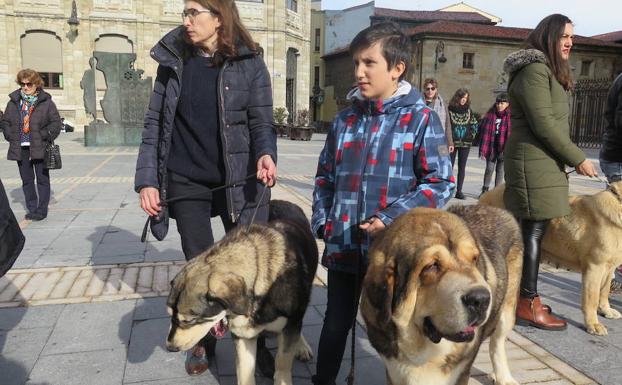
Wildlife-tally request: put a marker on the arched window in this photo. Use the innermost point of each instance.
(42, 52)
(111, 43)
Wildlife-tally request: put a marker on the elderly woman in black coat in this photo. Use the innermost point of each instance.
(30, 121)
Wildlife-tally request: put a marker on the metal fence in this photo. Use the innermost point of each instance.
(587, 114)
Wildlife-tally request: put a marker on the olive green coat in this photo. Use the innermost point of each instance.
(539, 147)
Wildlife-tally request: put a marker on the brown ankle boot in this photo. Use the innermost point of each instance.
(531, 312)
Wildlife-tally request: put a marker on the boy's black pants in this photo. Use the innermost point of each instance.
(340, 312)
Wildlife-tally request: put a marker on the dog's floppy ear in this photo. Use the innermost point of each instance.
(231, 290)
(379, 290)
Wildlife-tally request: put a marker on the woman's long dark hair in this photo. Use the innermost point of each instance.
(459, 94)
(546, 38)
(231, 32)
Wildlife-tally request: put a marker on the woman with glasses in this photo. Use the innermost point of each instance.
(30, 121)
(434, 100)
(464, 128)
(208, 124)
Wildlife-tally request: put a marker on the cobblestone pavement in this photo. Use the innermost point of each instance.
(84, 304)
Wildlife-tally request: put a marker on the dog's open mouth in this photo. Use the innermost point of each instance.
(435, 335)
(220, 329)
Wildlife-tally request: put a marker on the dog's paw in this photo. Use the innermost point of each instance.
(303, 352)
(596, 329)
(610, 313)
(505, 381)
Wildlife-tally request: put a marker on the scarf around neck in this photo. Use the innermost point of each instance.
(27, 106)
(494, 131)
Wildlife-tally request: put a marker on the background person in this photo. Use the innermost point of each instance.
(493, 132)
(464, 127)
(31, 121)
(434, 100)
(610, 156)
(209, 124)
(539, 147)
(363, 185)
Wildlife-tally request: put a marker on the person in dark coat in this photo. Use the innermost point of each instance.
(538, 151)
(208, 124)
(11, 237)
(31, 121)
(610, 156)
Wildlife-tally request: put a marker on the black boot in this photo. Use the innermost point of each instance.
(484, 190)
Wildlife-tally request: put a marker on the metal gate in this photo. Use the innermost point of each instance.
(587, 116)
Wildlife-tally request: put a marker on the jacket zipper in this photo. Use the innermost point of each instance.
(223, 137)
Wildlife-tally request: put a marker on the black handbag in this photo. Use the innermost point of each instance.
(52, 160)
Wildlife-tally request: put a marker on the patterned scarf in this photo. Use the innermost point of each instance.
(494, 131)
(26, 106)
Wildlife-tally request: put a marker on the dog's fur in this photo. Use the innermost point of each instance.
(260, 278)
(438, 284)
(589, 240)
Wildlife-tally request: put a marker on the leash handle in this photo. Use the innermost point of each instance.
(165, 202)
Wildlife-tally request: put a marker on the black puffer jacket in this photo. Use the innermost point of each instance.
(611, 149)
(246, 129)
(45, 125)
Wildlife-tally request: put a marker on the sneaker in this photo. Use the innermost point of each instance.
(460, 195)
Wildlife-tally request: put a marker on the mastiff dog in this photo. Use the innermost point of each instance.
(256, 279)
(589, 241)
(437, 285)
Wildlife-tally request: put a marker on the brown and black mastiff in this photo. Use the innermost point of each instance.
(438, 284)
(257, 279)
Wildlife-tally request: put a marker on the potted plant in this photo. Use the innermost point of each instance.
(301, 130)
(280, 115)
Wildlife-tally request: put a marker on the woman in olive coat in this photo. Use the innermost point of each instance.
(538, 151)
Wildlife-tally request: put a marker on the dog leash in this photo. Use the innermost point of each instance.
(209, 191)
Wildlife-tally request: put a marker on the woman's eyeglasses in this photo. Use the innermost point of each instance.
(191, 13)
(26, 84)
(430, 88)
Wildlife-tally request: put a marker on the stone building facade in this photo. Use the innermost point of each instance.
(471, 56)
(36, 34)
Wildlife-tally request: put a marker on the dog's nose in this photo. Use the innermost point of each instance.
(477, 300)
(171, 348)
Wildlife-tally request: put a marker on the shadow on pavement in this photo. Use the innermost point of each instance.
(12, 372)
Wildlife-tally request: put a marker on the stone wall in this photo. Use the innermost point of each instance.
(143, 22)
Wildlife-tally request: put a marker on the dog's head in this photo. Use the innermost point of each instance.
(423, 274)
(201, 298)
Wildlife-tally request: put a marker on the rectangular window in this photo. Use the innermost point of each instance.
(316, 76)
(318, 33)
(467, 60)
(585, 67)
(52, 80)
(292, 5)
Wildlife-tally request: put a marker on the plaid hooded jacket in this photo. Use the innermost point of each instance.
(381, 158)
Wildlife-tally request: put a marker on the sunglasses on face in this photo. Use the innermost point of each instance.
(192, 13)
(430, 88)
(25, 84)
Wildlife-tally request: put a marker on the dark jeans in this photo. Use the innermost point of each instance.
(463, 156)
(342, 289)
(35, 183)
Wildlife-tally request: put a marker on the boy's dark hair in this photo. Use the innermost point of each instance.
(396, 46)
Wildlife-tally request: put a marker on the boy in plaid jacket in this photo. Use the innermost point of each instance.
(384, 155)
